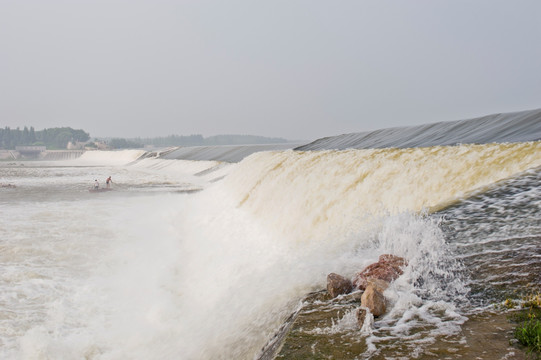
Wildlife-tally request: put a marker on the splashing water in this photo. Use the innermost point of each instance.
(210, 275)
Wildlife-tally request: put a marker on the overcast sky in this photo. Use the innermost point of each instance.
(298, 69)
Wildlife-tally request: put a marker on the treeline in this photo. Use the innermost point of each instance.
(172, 140)
(58, 138)
(54, 138)
(193, 140)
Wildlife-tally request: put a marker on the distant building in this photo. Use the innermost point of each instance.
(30, 151)
(87, 145)
(101, 145)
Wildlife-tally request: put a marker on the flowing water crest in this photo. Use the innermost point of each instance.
(202, 259)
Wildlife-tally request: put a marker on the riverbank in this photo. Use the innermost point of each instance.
(325, 327)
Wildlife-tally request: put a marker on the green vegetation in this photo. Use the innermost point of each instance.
(174, 140)
(58, 138)
(528, 332)
(118, 143)
(54, 138)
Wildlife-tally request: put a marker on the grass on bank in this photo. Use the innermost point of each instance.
(528, 332)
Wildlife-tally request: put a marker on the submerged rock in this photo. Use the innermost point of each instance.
(338, 285)
(361, 316)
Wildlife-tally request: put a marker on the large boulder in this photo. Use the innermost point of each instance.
(378, 284)
(373, 300)
(388, 268)
(393, 260)
(338, 285)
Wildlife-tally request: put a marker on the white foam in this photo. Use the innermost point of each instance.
(211, 275)
(108, 158)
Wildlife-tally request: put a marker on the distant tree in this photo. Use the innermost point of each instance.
(25, 138)
(32, 135)
(62, 139)
(17, 135)
(6, 139)
(118, 143)
(55, 138)
(175, 140)
(79, 135)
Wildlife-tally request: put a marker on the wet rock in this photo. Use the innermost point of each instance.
(378, 284)
(361, 316)
(338, 285)
(388, 268)
(393, 260)
(374, 300)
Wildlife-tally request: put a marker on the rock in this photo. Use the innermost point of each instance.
(374, 300)
(378, 284)
(393, 259)
(365, 320)
(338, 285)
(378, 270)
(388, 268)
(361, 316)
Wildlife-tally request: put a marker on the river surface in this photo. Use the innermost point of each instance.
(205, 259)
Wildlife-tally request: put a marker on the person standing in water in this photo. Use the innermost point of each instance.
(108, 182)
(96, 184)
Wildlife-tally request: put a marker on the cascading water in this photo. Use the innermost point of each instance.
(165, 273)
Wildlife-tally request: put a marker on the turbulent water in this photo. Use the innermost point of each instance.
(205, 259)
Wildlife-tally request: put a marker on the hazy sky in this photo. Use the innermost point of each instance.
(298, 69)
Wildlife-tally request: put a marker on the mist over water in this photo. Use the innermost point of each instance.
(153, 270)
